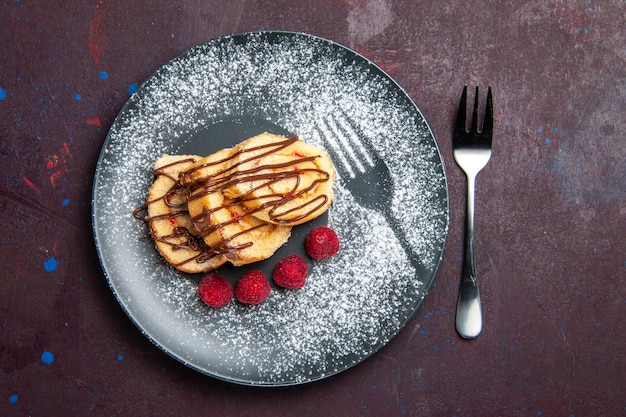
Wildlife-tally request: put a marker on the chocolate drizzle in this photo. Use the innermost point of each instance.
(190, 186)
(181, 237)
(233, 175)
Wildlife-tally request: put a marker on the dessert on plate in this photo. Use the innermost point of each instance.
(238, 204)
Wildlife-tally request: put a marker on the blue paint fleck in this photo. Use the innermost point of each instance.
(51, 264)
(47, 357)
(548, 141)
(13, 398)
(103, 75)
(77, 97)
(120, 357)
(3, 94)
(132, 88)
(65, 202)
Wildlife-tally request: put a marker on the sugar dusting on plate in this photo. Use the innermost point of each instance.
(353, 303)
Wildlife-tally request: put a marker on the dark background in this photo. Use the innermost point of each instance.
(551, 208)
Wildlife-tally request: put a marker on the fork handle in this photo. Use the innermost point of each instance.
(469, 320)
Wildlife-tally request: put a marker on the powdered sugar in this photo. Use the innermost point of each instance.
(354, 302)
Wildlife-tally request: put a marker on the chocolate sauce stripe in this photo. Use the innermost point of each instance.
(278, 145)
(211, 182)
(161, 170)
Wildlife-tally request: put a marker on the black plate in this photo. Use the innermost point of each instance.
(220, 93)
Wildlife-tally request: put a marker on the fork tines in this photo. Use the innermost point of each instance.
(345, 144)
(461, 119)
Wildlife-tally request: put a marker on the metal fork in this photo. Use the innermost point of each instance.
(472, 151)
(364, 174)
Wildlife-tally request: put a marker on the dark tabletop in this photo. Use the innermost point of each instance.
(551, 208)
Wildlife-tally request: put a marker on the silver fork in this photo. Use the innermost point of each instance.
(472, 151)
(364, 174)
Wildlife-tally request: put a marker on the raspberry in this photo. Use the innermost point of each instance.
(291, 272)
(252, 288)
(321, 243)
(215, 290)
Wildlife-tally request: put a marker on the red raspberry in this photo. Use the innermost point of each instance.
(252, 288)
(291, 272)
(215, 290)
(321, 243)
